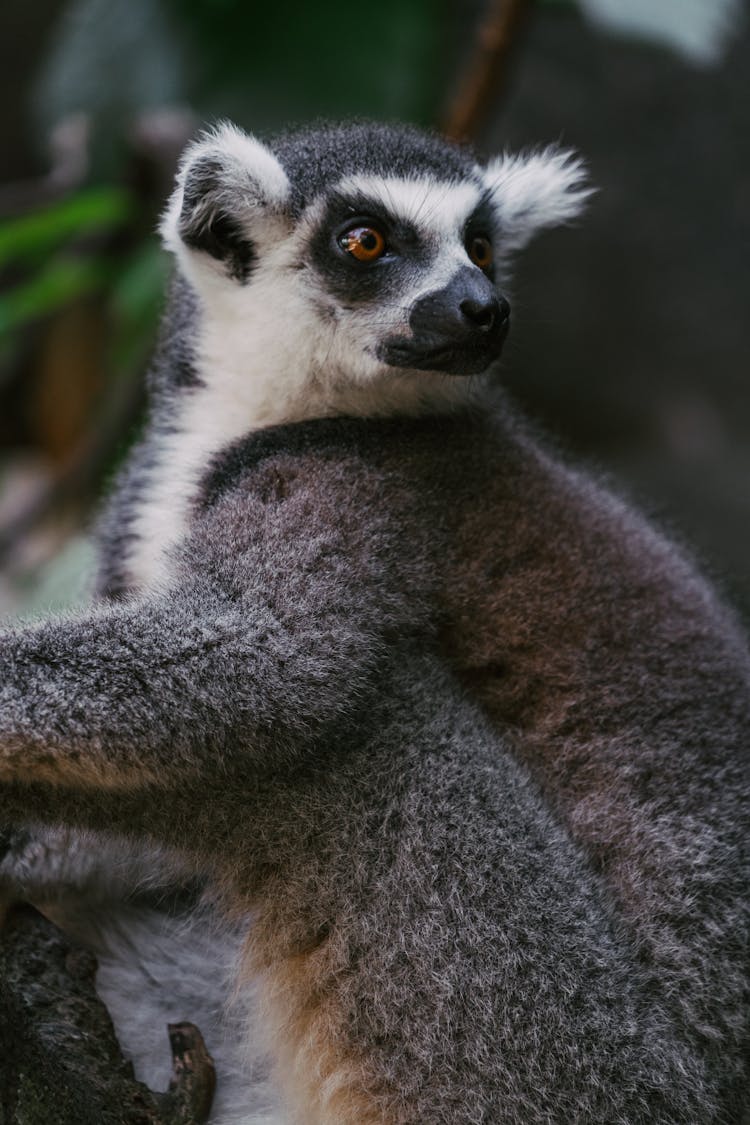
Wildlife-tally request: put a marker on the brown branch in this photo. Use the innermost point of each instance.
(79, 476)
(191, 1088)
(486, 74)
(59, 1059)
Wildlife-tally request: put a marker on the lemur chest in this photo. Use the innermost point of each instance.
(204, 425)
(235, 396)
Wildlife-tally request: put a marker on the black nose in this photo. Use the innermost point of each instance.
(459, 329)
(467, 309)
(482, 314)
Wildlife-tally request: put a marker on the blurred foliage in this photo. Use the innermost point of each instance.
(265, 66)
(32, 237)
(286, 61)
(70, 249)
(35, 249)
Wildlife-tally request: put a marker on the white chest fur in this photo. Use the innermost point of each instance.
(247, 379)
(257, 369)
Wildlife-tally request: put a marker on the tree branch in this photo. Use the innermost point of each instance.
(486, 76)
(59, 1059)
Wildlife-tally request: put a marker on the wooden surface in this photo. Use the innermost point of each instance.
(60, 1063)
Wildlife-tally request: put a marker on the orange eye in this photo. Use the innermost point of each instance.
(479, 250)
(366, 244)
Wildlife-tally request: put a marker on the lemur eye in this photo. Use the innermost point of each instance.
(479, 250)
(366, 244)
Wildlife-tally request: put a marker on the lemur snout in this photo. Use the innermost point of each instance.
(487, 316)
(482, 315)
(466, 312)
(459, 329)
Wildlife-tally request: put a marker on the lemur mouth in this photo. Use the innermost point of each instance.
(447, 356)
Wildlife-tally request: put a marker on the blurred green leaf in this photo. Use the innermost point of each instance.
(271, 65)
(87, 212)
(60, 282)
(139, 285)
(136, 303)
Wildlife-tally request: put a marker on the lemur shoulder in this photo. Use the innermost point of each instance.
(460, 732)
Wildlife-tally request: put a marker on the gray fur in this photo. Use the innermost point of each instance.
(315, 159)
(172, 373)
(463, 734)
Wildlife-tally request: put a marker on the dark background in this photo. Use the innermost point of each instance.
(630, 339)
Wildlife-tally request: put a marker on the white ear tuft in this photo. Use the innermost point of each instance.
(531, 191)
(230, 189)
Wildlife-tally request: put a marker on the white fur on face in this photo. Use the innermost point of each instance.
(354, 375)
(438, 213)
(434, 209)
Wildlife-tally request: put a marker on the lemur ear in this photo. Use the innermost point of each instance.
(230, 199)
(531, 191)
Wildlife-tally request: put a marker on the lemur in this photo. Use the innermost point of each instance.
(455, 740)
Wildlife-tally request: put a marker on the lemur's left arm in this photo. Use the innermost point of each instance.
(270, 628)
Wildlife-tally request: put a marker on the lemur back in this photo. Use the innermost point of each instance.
(456, 740)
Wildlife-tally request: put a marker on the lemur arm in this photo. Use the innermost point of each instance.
(140, 693)
(270, 629)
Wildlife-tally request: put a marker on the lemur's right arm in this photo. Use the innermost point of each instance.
(270, 630)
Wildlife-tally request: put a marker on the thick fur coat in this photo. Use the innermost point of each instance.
(496, 873)
(458, 743)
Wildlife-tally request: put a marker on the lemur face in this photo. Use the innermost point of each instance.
(409, 267)
(362, 251)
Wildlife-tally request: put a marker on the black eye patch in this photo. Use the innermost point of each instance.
(353, 281)
(481, 224)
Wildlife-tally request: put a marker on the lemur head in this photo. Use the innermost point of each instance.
(361, 261)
